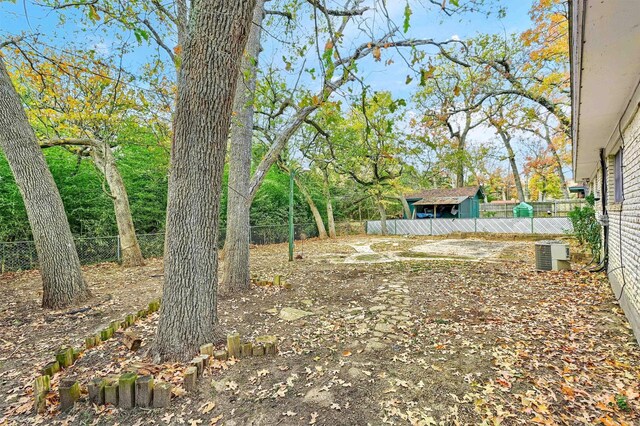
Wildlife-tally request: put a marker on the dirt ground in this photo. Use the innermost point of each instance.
(419, 331)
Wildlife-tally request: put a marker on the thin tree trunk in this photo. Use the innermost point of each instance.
(130, 252)
(62, 280)
(327, 194)
(213, 48)
(322, 232)
(559, 171)
(514, 166)
(383, 215)
(405, 206)
(235, 266)
(506, 139)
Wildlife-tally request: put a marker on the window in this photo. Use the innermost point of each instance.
(617, 177)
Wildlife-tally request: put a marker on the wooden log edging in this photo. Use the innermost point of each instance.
(130, 390)
(66, 356)
(277, 282)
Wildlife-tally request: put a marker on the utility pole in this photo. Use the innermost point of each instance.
(291, 182)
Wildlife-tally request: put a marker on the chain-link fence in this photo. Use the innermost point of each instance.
(21, 255)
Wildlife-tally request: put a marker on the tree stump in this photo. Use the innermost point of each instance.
(126, 390)
(106, 334)
(96, 391)
(111, 391)
(269, 343)
(207, 349)
(89, 342)
(198, 364)
(130, 319)
(189, 381)
(144, 391)
(161, 395)
(246, 350)
(51, 369)
(154, 306)
(69, 393)
(41, 387)
(258, 349)
(206, 360)
(132, 340)
(65, 357)
(233, 345)
(221, 355)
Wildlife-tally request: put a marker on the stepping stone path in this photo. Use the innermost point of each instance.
(385, 322)
(293, 314)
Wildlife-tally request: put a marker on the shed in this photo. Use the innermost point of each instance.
(460, 203)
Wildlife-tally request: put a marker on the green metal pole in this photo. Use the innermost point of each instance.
(291, 176)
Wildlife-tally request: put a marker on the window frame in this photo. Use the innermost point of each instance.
(618, 177)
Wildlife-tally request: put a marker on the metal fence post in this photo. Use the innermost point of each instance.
(395, 227)
(431, 226)
(118, 248)
(475, 225)
(532, 225)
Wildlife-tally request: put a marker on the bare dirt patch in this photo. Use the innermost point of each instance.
(419, 341)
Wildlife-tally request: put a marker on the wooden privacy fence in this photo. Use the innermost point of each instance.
(552, 208)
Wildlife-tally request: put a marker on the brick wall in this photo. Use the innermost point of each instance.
(624, 225)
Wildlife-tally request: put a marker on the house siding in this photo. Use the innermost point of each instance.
(624, 223)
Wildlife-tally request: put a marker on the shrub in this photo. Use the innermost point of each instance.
(586, 227)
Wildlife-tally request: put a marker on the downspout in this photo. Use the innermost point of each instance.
(602, 266)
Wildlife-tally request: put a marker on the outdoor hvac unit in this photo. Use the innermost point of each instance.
(552, 256)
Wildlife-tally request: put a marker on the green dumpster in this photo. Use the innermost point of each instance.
(523, 210)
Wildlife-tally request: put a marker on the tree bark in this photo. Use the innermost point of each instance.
(235, 266)
(217, 35)
(558, 161)
(62, 280)
(405, 206)
(327, 194)
(130, 252)
(506, 139)
(105, 163)
(322, 232)
(383, 215)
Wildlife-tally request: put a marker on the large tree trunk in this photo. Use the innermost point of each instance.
(130, 252)
(327, 194)
(62, 280)
(235, 266)
(322, 232)
(213, 49)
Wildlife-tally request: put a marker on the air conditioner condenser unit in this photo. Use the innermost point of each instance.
(552, 255)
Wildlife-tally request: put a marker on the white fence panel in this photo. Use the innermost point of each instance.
(513, 225)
